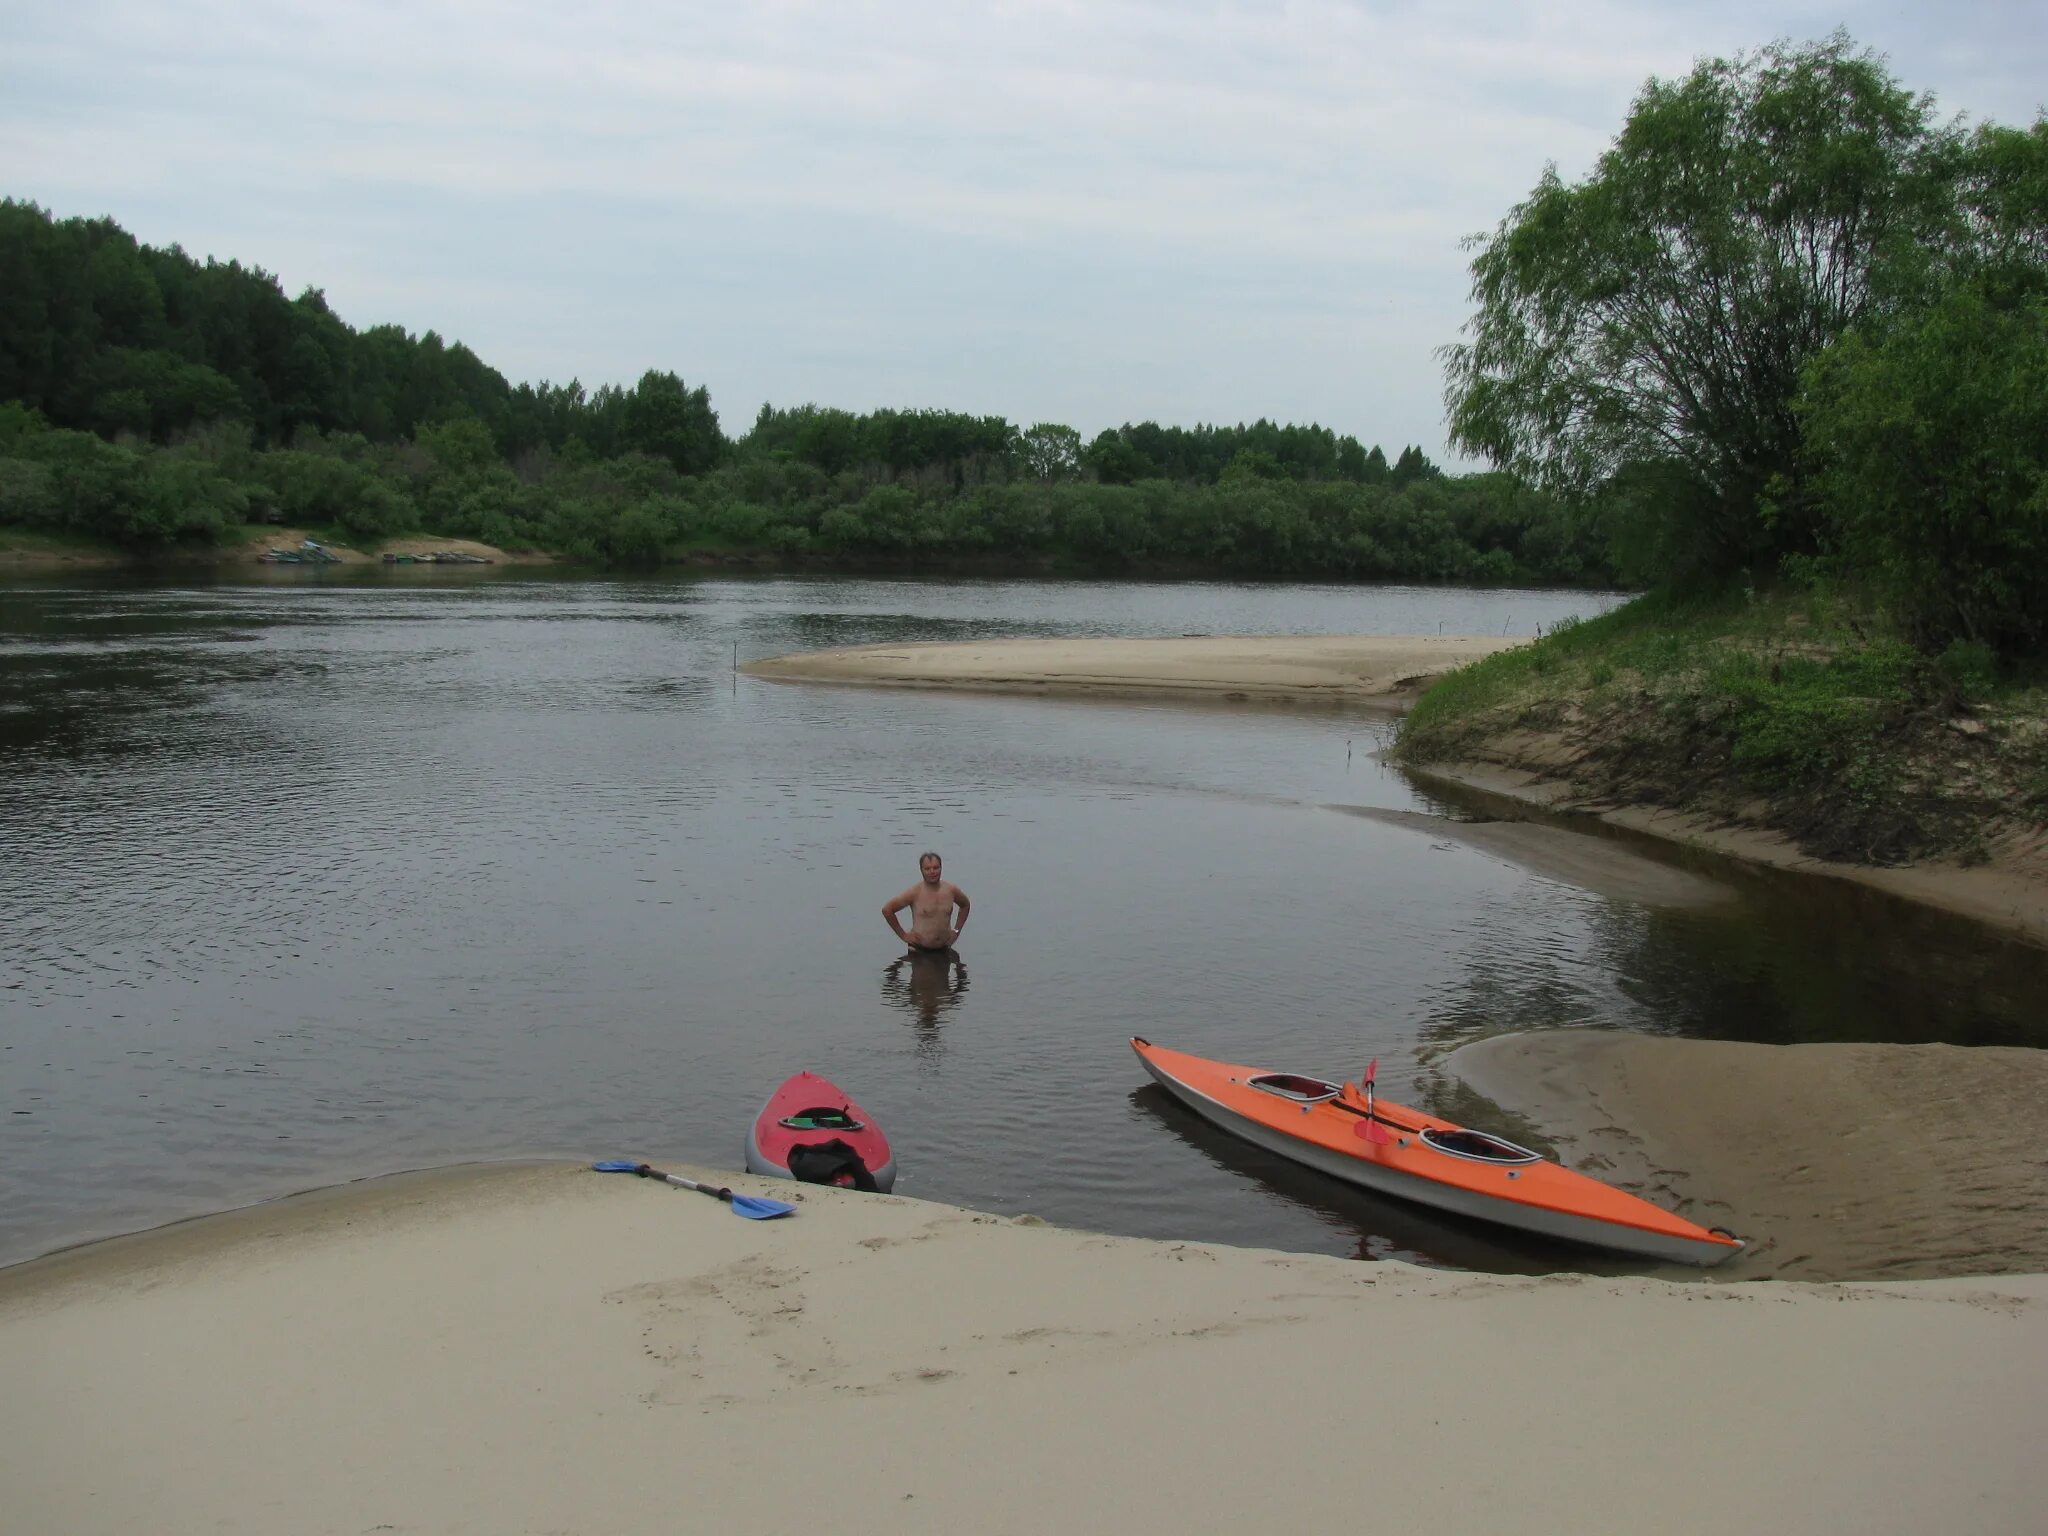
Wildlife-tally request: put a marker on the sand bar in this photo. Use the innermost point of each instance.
(1339, 669)
(1856, 1161)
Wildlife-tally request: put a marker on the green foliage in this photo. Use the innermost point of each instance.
(18, 421)
(181, 500)
(2005, 190)
(25, 495)
(1929, 447)
(638, 536)
(1050, 451)
(85, 485)
(319, 490)
(1797, 721)
(1970, 669)
(1654, 318)
(258, 404)
(460, 446)
(667, 420)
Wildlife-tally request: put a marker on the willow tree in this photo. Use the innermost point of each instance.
(1645, 328)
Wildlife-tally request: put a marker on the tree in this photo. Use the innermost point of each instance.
(1114, 461)
(1413, 465)
(1930, 447)
(1050, 451)
(1660, 312)
(2005, 195)
(665, 418)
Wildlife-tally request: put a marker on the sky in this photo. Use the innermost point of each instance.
(1085, 213)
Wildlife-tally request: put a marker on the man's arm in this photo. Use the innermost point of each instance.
(891, 908)
(960, 900)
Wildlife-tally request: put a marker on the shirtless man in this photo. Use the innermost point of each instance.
(931, 902)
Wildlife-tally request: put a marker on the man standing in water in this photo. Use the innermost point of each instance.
(931, 902)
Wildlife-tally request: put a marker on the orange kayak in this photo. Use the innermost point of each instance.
(1394, 1150)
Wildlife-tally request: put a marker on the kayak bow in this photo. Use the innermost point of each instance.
(810, 1129)
(1394, 1150)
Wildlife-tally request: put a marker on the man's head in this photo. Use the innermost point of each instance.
(929, 866)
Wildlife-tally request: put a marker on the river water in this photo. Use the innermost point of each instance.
(307, 876)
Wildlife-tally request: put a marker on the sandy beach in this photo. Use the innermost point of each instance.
(1338, 669)
(546, 1349)
(551, 1350)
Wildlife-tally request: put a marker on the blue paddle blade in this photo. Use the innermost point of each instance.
(617, 1166)
(758, 1210)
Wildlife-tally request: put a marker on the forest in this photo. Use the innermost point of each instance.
(154, 401)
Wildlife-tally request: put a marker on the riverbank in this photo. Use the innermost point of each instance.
(28, 552)
(1792, 728)
(2006, 888)
(548, 1349)
(1373, 670)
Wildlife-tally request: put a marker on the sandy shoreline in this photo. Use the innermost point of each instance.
(1380, 670)
(1836, 1161)
(554, 1350)
(252, 551)
(541, 1348)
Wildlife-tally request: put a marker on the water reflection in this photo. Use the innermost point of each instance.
(1795, 959)
(927, 986)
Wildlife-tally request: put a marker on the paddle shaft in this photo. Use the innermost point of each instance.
(680, 1182)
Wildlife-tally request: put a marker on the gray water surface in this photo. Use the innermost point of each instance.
(325, 875)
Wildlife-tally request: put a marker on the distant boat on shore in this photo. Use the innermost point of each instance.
(309, 552)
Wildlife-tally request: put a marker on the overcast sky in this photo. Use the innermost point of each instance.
(1087, 213)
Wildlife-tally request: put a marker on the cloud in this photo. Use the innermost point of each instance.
(1042, 210)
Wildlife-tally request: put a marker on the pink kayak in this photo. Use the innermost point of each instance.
(811, 1130)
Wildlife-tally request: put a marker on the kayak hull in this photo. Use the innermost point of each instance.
(770, 1142)
(1414, 1162)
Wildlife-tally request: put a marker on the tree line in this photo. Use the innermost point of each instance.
(149, 398)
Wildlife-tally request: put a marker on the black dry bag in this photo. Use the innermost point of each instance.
(830, 1162)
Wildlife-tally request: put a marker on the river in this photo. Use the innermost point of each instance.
(307, 876)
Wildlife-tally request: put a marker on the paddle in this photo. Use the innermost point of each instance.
(1370, 1127)
(742, 1205)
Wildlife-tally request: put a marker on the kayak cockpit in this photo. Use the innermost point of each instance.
(822, 1119)
(1476, 1145)
(1291, 1085)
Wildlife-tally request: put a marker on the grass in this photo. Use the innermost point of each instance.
(1801, 710)
(27, 541)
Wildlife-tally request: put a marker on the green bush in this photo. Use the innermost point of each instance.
(1929, 446)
